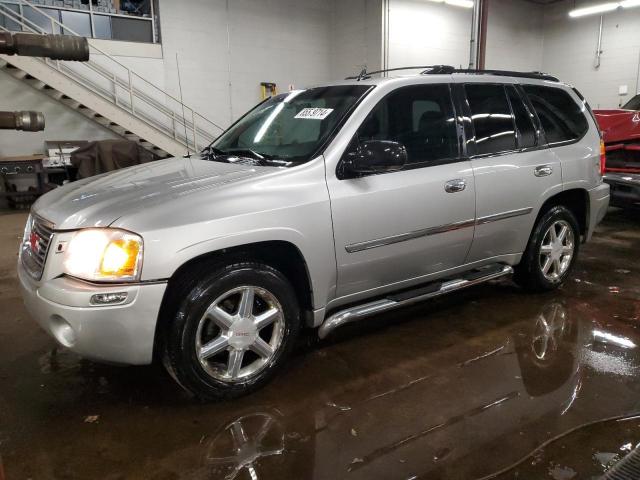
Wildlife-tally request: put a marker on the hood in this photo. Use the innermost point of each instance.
(99, 201)
(619, 125)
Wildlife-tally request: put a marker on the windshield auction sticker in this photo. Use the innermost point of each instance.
(314, 113)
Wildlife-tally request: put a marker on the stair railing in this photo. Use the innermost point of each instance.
(115, 82)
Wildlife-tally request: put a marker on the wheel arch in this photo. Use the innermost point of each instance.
(576, 200)
(280, 254)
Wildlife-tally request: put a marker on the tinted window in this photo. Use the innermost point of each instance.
(420, 117)
(491, 117)
(561, 117)
(526, 132)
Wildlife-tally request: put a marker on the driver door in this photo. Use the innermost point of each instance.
(395, 229)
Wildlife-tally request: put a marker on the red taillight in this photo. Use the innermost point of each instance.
(603, 158)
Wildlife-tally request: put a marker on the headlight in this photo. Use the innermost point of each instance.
(104, 255)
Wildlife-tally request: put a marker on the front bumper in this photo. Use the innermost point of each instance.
(598, 205)
(121, 334)
(625, 189)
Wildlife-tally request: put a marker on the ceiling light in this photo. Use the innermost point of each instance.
(630, 3)
(460, 3)
(602, 8)
(457, 3)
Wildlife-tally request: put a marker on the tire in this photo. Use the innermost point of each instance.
(214, 346)
(530, 273)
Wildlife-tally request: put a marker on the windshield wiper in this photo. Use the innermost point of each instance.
(243, 152)
(215, 154)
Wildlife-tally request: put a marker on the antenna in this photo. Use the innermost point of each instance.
(184, 115)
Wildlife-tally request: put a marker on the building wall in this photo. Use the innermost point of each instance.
(62, 123)
(570, 46)
(356, 39)
(226, 48)
(514, 35)
(428, 33)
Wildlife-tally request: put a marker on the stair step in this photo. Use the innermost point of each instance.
(35, 83)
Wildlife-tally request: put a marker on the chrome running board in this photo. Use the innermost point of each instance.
(392, 301)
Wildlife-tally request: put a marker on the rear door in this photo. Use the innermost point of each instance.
(393, 229)
(513, 168)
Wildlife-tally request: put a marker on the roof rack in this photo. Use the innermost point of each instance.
(433, 69)
(448, 69)
(507, 73)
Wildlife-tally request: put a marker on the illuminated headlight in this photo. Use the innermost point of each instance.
(104, 255)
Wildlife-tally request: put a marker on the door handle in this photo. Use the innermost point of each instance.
(453, 186)
(543, 171)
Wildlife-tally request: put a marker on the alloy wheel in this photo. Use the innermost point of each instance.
(239, 334)
(556, 251)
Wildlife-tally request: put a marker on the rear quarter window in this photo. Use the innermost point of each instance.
(562, 118)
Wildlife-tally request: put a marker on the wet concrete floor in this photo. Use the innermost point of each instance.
(487, 383)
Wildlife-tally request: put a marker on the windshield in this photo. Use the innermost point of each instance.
(289, 128)
(633, 104)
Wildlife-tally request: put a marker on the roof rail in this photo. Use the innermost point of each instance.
(506, 73)
(433, 69)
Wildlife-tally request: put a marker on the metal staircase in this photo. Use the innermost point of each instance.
(108, 92)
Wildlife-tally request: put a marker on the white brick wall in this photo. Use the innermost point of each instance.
(356, 39)
(427, 33)
(570, 46)
(514, 35)
(281, 41)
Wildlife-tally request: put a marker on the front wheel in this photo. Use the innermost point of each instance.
(232, 330)
(551, 252)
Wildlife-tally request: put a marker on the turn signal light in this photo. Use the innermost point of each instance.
(120, 258)
(603, 158)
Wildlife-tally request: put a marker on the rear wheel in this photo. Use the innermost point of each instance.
(232, 330)
(551, 252)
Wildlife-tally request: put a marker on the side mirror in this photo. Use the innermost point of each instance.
(376, 156)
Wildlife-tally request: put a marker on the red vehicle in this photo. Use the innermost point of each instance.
(621, 130)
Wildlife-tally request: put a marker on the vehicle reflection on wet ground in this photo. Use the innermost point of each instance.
(460, 388)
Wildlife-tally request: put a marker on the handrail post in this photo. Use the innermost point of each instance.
(115, 87)
(131, 91)
(193, 125)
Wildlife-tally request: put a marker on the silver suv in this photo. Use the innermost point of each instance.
(317, 208)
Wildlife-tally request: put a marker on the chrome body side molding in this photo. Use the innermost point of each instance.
(359, 312)
(503, 216)
(403, 237)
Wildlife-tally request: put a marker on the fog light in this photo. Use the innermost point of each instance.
(109, 298)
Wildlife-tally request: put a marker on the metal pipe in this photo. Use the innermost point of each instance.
(25, 121)
(475, 35)
(599, 48)
(482, 35)
(56, 47)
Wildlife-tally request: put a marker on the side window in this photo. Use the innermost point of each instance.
(561, 117)
(491, 118)
(524, 120)
(420, 117)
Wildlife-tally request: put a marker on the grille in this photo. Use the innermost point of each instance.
(36, 246)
